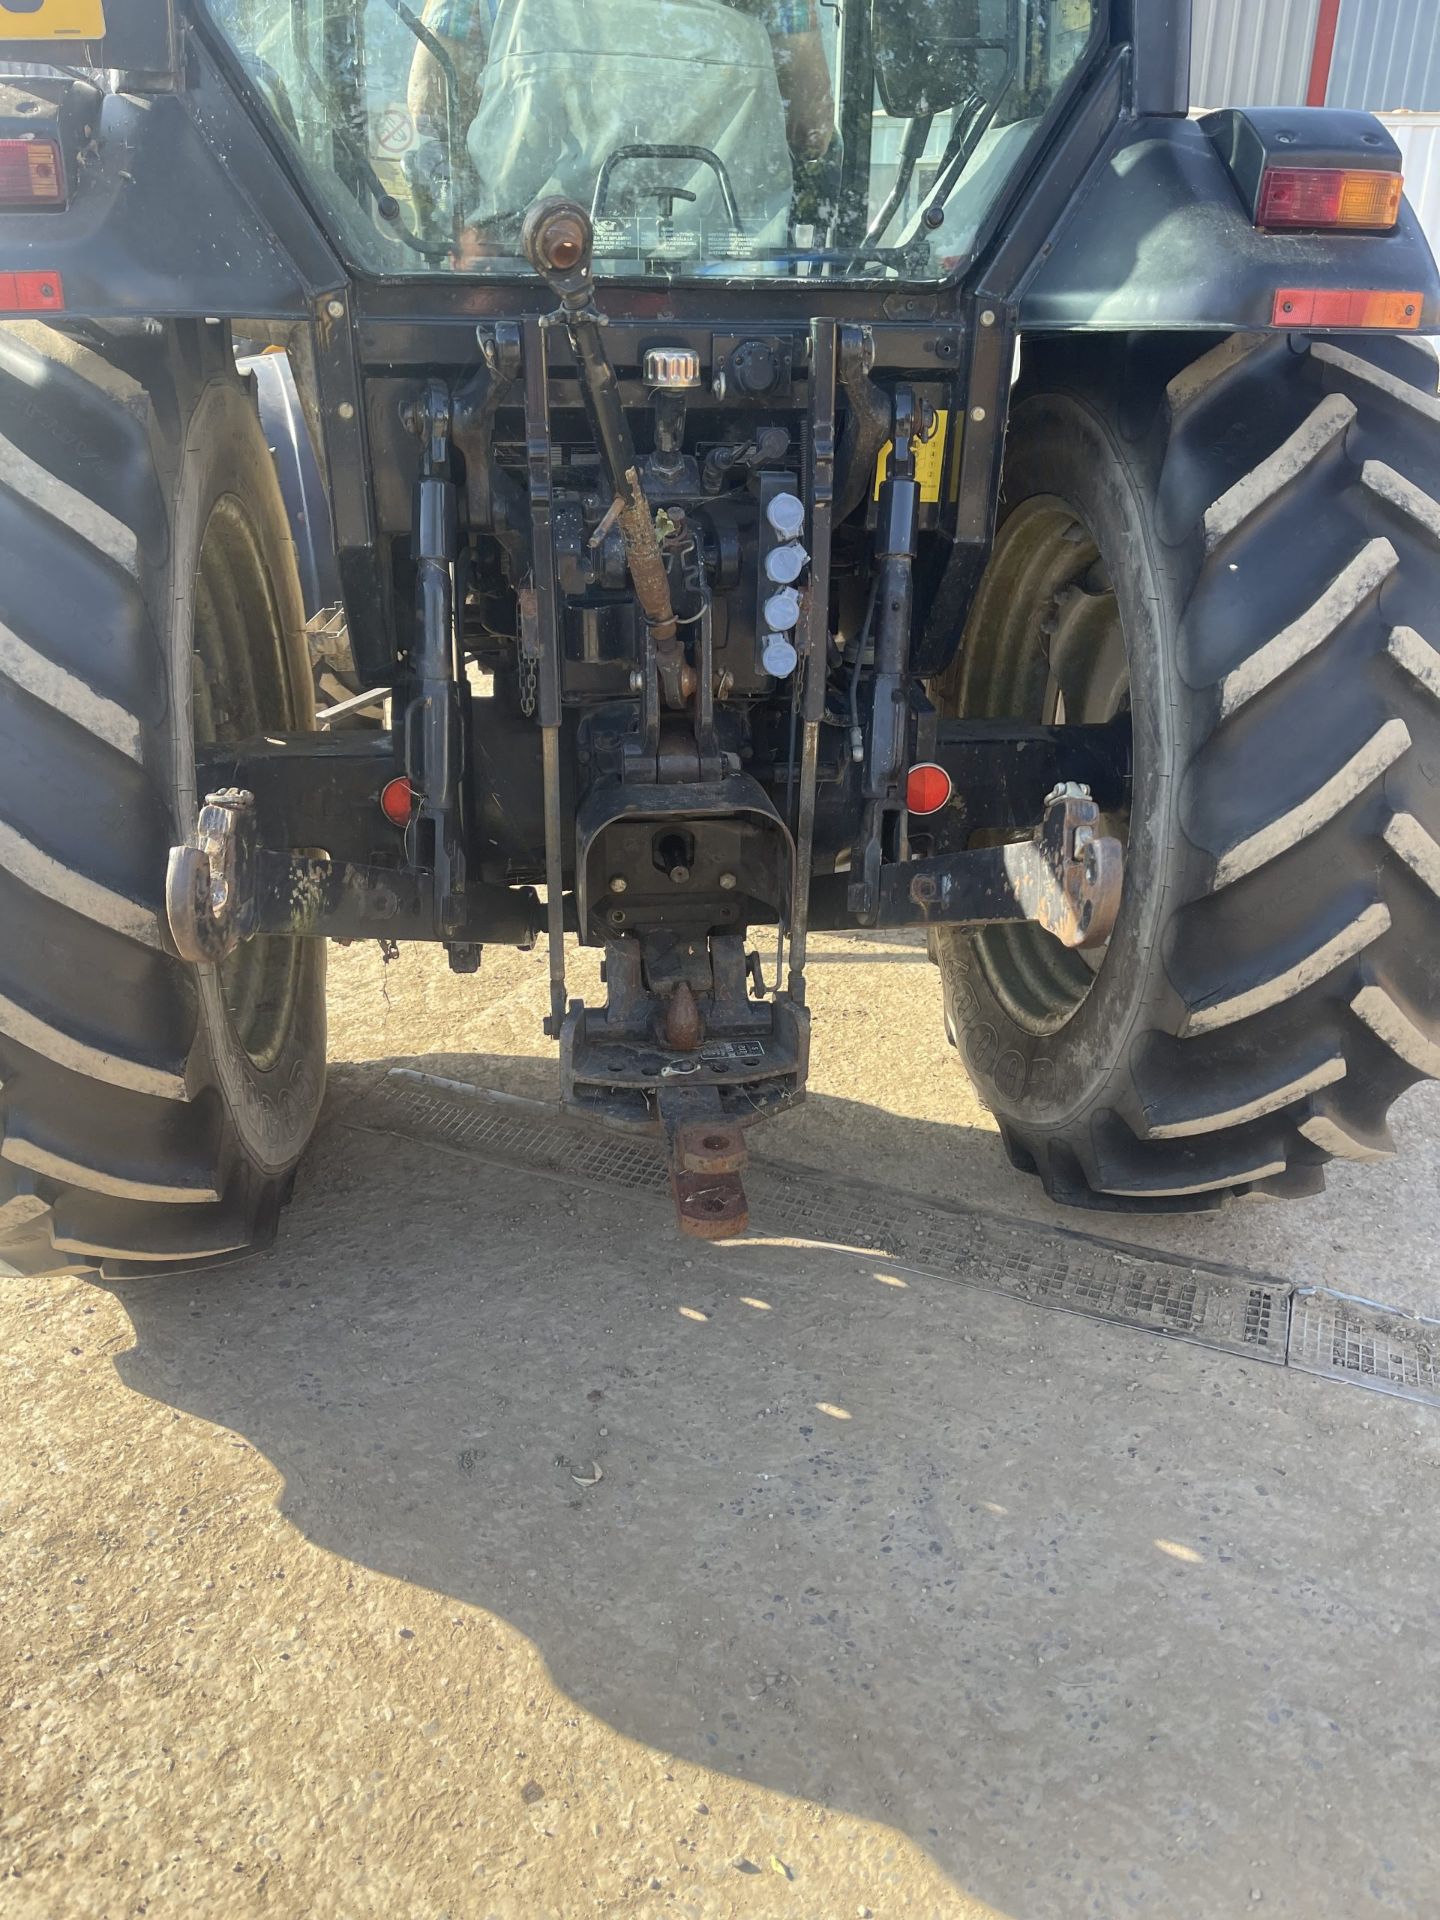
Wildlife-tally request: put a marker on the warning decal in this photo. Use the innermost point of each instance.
(51, 19)
(929, 460)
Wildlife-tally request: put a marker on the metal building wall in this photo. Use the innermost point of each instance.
(1387, 56)
(1418, 137)
(1254, 53)
(1249, 53)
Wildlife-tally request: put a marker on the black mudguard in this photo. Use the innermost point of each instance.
(1158, 238)
(165, 221)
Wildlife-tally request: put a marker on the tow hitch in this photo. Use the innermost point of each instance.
(680, 1043)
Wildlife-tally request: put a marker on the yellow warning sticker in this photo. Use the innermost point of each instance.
(52, 19)
(929, 460)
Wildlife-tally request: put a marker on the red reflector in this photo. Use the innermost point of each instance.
(1348, 308)
(30, 292)
(397, 801)
(928, 788)
(32, 174)
(1328, 197)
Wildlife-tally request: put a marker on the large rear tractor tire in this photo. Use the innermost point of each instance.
(151, 1113)
(1244, 549)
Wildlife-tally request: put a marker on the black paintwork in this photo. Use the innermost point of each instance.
(166, 217)
(1159, 31)
(1160, 238)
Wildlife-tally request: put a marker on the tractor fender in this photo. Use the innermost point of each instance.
(307, 500)
(1159, 238)
(165, 219)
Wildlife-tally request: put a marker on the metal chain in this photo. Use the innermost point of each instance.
(527, 662)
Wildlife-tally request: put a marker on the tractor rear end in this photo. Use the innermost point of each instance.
(961, 493)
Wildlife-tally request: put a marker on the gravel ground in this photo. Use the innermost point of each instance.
(485, 1550)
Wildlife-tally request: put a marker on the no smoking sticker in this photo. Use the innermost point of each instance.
(51, 20)
(391, 129)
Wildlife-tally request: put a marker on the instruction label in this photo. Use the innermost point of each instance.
(51, 20)
(721, 1052)
(929, 460)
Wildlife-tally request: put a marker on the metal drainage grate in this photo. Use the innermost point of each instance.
(1367, 1344)
(1211, 1305)
(1310, 1329)
(1045, 1267)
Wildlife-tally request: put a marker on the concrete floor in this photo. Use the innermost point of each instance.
(890, 1597)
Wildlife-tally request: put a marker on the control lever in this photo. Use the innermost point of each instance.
(767, 449)
(667, 196)
(559, 242)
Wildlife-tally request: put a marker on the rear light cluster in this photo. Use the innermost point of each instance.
(1329, 197)
(32, 174)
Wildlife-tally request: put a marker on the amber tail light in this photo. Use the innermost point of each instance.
(1347, 309)
(32, 174)
(1333, 197)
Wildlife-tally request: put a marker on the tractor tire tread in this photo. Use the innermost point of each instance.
(113, 1153)
(1300, 995)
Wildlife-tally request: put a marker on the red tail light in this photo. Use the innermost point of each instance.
(32, 174)
(1329, 197)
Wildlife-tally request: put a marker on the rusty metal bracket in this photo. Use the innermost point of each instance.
(707, 1155)
(1069, 878)
(222, 888)
(210, 882)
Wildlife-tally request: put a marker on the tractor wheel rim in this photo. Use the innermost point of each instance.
(1052, 619)
(242, 687)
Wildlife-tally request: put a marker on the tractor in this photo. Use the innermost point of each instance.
(680, 476)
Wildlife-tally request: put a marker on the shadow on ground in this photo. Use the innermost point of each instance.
(1104, 1624)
